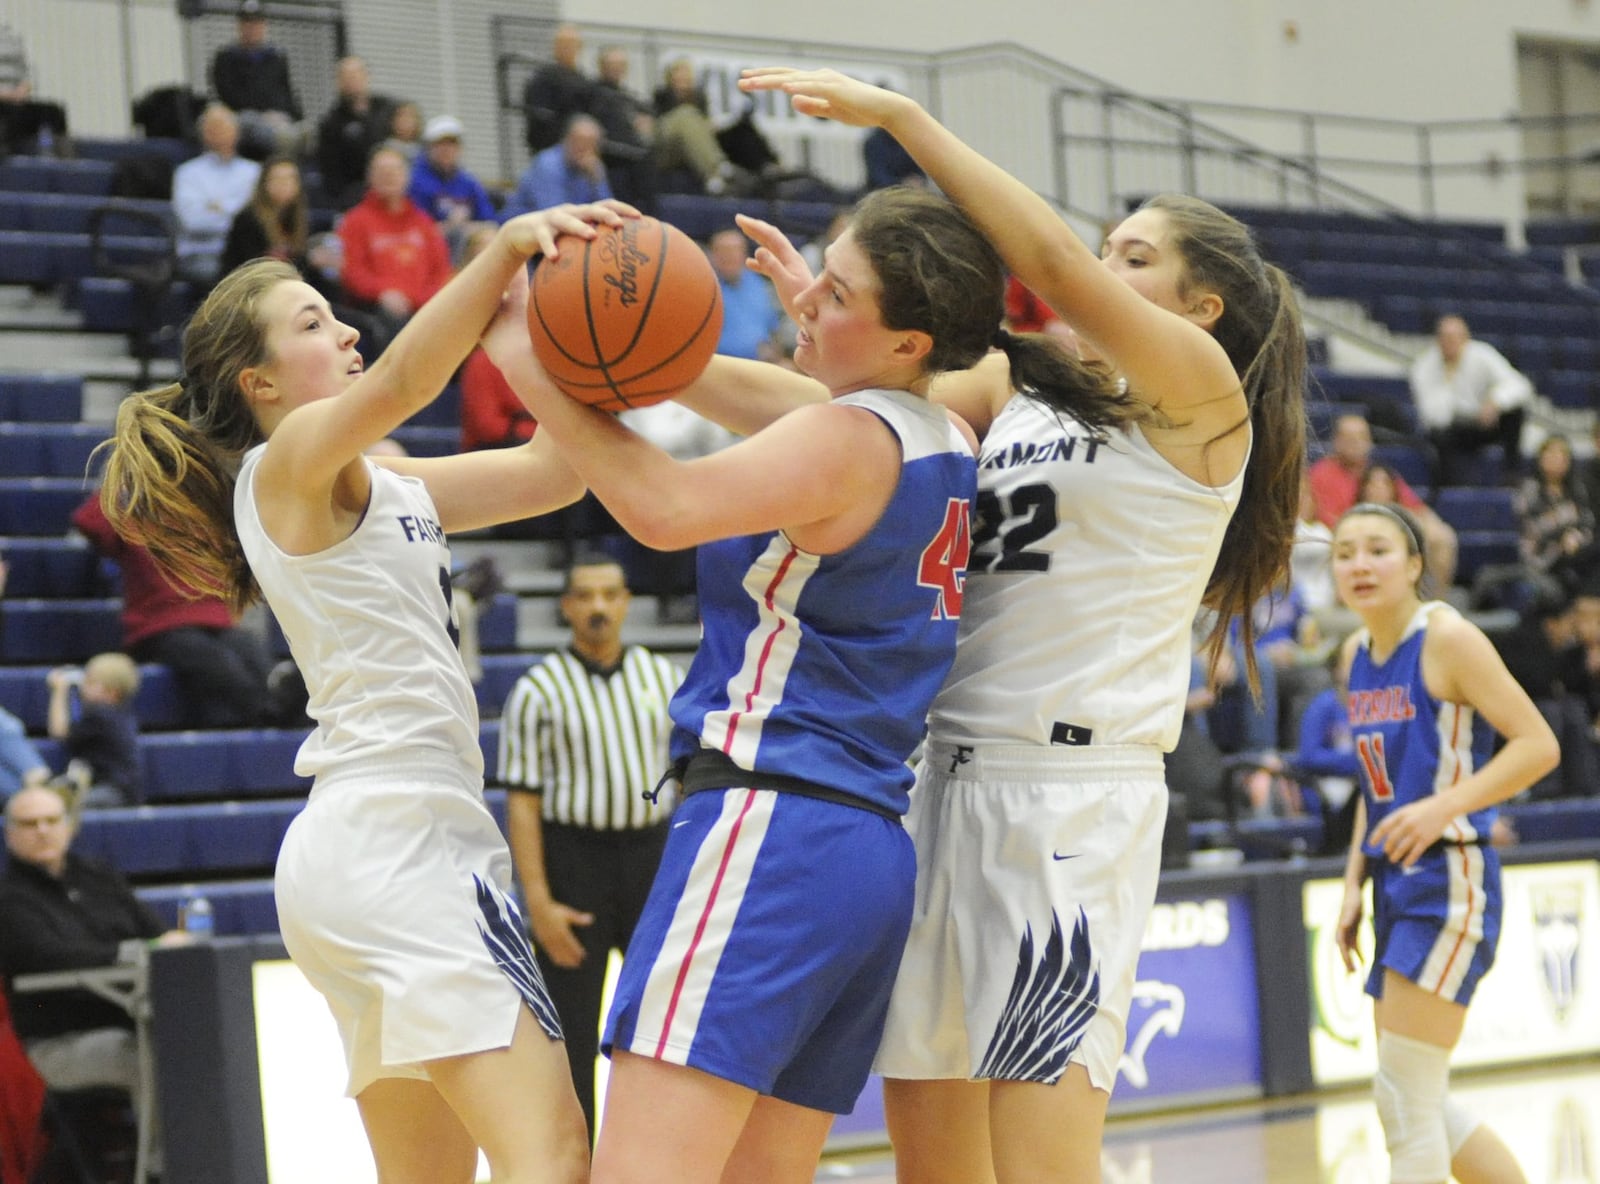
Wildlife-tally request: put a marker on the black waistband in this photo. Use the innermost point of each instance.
(708, 770)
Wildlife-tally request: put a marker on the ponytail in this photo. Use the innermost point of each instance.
(1047, 372)
(169, 489)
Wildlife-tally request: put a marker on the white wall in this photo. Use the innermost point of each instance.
(1409, 59)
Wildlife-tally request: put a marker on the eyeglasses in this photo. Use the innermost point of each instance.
(49, 820)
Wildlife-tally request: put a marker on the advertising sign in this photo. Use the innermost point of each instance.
(1540, 1000)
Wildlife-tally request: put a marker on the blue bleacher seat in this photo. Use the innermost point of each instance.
(45, 568)
(500, 673)
(428, 441)
(239, 907)
(1576, 389)
(1477, 509)
(157, 703)
(221, 764)
(187, 839)
(114, 150)
(41, 398)
(47, 450)
(700, 216)
(1410, 462)
(57, 631)
(497, 625)
(38, 506)
(443, 412)
(1478, 549)
(25, 258)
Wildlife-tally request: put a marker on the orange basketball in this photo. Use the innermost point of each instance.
(627, 318)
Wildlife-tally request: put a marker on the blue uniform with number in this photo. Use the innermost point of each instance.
(771, 938)
(1438, 922)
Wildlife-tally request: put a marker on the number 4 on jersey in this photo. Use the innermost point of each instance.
(944, 560)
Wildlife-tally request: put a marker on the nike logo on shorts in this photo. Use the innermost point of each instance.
(1058, 857)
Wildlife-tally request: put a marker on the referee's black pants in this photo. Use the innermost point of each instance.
(606, 873)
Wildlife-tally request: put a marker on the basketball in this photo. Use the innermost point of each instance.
(627, 318)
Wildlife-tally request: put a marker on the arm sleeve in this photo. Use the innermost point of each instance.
(1316, 754)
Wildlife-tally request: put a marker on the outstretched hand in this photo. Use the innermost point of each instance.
(536, 233)
(828, 94)
(776, 258)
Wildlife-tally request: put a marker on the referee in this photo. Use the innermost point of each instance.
(583, 738)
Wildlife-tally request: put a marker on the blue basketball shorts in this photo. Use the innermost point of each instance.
(1438, 923)
(769, 945)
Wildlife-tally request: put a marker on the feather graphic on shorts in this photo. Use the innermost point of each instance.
(506, 936)
(1050, 1005)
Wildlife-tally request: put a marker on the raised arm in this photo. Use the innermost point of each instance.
(1168, 359)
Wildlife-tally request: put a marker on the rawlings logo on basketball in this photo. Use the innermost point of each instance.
(621, 258)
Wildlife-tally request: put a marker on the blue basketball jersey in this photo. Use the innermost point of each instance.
(822, 667)
(1411, 745)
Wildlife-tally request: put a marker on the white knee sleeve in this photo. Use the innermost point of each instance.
(1410, 1091)
(1459, 1123)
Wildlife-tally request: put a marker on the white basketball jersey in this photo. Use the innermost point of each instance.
(371, 625)
(1090, 555)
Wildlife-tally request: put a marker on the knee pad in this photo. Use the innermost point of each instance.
(1410, 1092)
(1459, 1123)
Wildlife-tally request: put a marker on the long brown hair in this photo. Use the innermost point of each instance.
(941, 276)
(1261, 333)
(288, 227)
(173, 457)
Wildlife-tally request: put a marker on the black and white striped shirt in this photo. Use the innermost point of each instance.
(591, 742)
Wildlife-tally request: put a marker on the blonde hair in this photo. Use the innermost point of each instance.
(116, 672)
(174, 454)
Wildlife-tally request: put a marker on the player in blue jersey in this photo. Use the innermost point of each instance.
(1425, 686)
(833, 548)
(248, 479)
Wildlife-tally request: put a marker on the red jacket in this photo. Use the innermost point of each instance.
(491, 414)
(22, 1139)
(401, 250)
(150, 603)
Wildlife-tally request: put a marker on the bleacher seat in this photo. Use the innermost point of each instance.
(428, 441)
(170, 149)
(58, 631)
(1410, 462)
(49, 174)
(45, 568)
(47, 450)
(220, 764)
(38, 505)
(157, 703)
(1478, 549)
(443, 412)
(500, 674)
(497, 625)
(1563, 819)
(41, 398)
(1576, 389)
(239, 907)
(189, 839)
(1477, 509)
(700, 216)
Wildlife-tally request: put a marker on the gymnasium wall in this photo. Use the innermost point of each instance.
(1424, 59)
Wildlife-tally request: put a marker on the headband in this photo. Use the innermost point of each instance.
(1387, 511)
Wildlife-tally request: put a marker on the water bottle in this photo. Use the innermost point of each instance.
(198, 921)
(45, 142)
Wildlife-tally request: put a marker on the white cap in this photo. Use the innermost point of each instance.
(442, 127)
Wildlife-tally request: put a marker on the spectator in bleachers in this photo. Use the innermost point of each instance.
(1382, 485)
(395, 257)
(20, 762)
(887, 163)
(100, 731)
(1196, 767)
(405, 132)
(1326, 758)
(629, 126)
(1311, 559)
(688, 153)
(358, 122)
(570, 171)
(556, 91)
(220, 668)
(251, 76)
(1336, 481)
(61, 911)
(26, 123)
(276, 221)
(1545, 656)
(1558, 523)
(207, 192)
(445, 189)
(1468, 397)
(751, 317)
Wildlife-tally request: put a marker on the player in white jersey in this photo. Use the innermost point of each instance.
(248, 478)
(1039, 808)
(747, 1013)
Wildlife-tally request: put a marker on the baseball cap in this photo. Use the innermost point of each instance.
(251, 10)
(442, 127)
